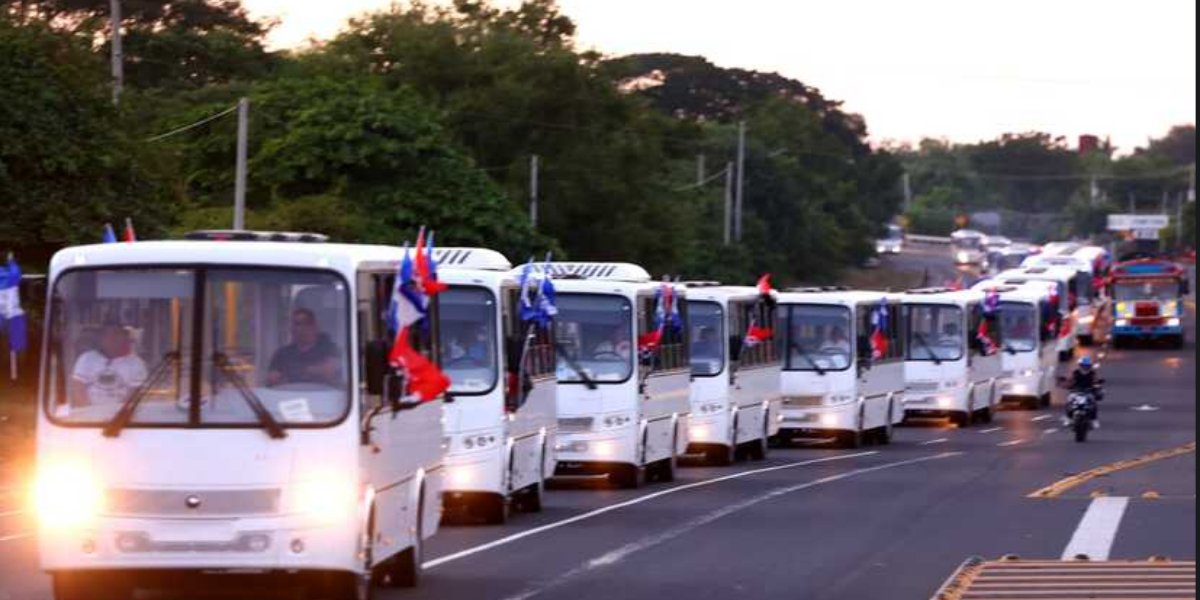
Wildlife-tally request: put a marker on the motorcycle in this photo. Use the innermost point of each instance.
(1081, 410)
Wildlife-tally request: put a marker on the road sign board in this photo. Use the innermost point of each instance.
(1127, 222)
(1145, 234)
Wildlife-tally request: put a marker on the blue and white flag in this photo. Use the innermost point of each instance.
(12, 318)
(409, 304)
(537, 294)
(109, 236)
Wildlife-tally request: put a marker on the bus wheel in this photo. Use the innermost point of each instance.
(961, 419)
(1177, 342)
(531, 498)
(79, 585)
(627, 477)
(985, 415)
(758, 448)
(1045, 400)
(495, 509)
(665, 472)
(404, 569)
(885, 433)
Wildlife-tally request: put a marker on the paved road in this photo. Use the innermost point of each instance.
(820, 523)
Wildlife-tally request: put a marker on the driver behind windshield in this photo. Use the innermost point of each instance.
(311, 357)
(836, 340)
(108, 373)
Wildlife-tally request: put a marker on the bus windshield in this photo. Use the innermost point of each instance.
(935, 332)
(707, 348)
(467, 328)
(1018, 326)
(594, 336)
(818, 337)
(1007, 261)
(1158, 289)
(198, 347)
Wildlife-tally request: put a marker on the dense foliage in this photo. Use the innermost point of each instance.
(425, 114)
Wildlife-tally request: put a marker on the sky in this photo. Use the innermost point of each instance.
(963, 70)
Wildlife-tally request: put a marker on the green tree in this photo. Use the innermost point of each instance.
(67, 161)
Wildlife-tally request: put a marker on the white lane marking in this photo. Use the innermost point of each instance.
(990, 429)
(1042, 418)
(14, 537)
(634, 501)
(1097, 529)
(937, 441)
(615, 556)
(1049, 431)
(1011, 443)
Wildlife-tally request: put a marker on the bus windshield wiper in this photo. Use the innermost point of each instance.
(933, 355)
(274, 429)
(587, 381)
(807, 358)
(120, 420)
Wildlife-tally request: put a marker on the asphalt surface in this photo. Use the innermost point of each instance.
(818, 523)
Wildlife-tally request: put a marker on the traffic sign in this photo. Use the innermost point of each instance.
(1127, 222)
(1145, 234)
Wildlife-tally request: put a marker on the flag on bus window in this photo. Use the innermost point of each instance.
(12, 318)
(764, 284)
(991, 304)
(879, 324)
(108, 236)
(415, 284)
(537, 294)
(128, 235)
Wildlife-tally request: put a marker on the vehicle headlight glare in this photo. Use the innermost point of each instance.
(1173, 322)
(1171, 308)
(1122, 322)
(327, 498)
(66, 495)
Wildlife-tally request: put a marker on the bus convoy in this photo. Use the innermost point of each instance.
(314, 368)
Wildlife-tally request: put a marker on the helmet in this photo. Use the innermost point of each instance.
(1085, 363)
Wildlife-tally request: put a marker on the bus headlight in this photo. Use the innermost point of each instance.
(66, 495)
(614, 421)
(327, 499)
(472, 442)
(1086, 320)
(1122, 322)
(945, 401)
(962, 257)
(1173, 322)
(1122, 308)
(1170, 307)
(1026, 373)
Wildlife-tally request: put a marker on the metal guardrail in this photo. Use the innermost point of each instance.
(926, 239)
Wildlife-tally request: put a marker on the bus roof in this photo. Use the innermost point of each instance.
(607, 271)
(345, 257)
(941, 296)
(1069, 261)
(723, 293)
(481, 259)
(838, 297)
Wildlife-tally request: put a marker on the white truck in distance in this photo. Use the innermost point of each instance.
(242, 419)
(831, 384)
(500, 428)
(621, 416)
(735, 384)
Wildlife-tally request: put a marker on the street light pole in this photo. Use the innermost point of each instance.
(239, 182)
(118, 55)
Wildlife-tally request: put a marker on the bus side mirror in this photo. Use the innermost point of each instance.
(376, 366)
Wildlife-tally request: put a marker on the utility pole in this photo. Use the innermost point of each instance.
(741, 181)
(728, 198)
(907, 192)
(533, 190)
(1132, 204)
(118, 56)
(1191, 192)
(699, 169)
(239, 182)
(1179, 219)
(1093, 192)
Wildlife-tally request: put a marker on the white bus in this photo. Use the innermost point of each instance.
(831, 384)
(621, 415)
(950, 371)
(735, 384)
(966, 247)
(1062, 279)
(1090, 313)
(500, 427)
(1028, 358)
(225, 406)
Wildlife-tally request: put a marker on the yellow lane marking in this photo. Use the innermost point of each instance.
(1057, 488)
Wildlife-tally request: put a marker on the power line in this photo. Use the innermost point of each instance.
(193, 125)
(700, 184)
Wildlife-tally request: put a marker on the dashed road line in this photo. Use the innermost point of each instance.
(1042, 418)
(631, 502)
(937, 441)
(1097, 529)
(990, 429)
(1011, 443)
(1049, 431)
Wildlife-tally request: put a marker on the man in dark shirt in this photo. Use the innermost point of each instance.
(310, 358)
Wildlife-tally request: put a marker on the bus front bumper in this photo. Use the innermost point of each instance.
(1166, 329)
(817, 419)
(581, 453)
(941, 403)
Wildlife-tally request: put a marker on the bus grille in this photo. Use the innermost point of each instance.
(575, 424)
(802, 401)
(921, 386)
(196, 503)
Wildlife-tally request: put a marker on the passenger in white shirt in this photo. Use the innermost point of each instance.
(108, 374)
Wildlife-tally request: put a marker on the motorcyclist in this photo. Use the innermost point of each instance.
(1085, 379)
